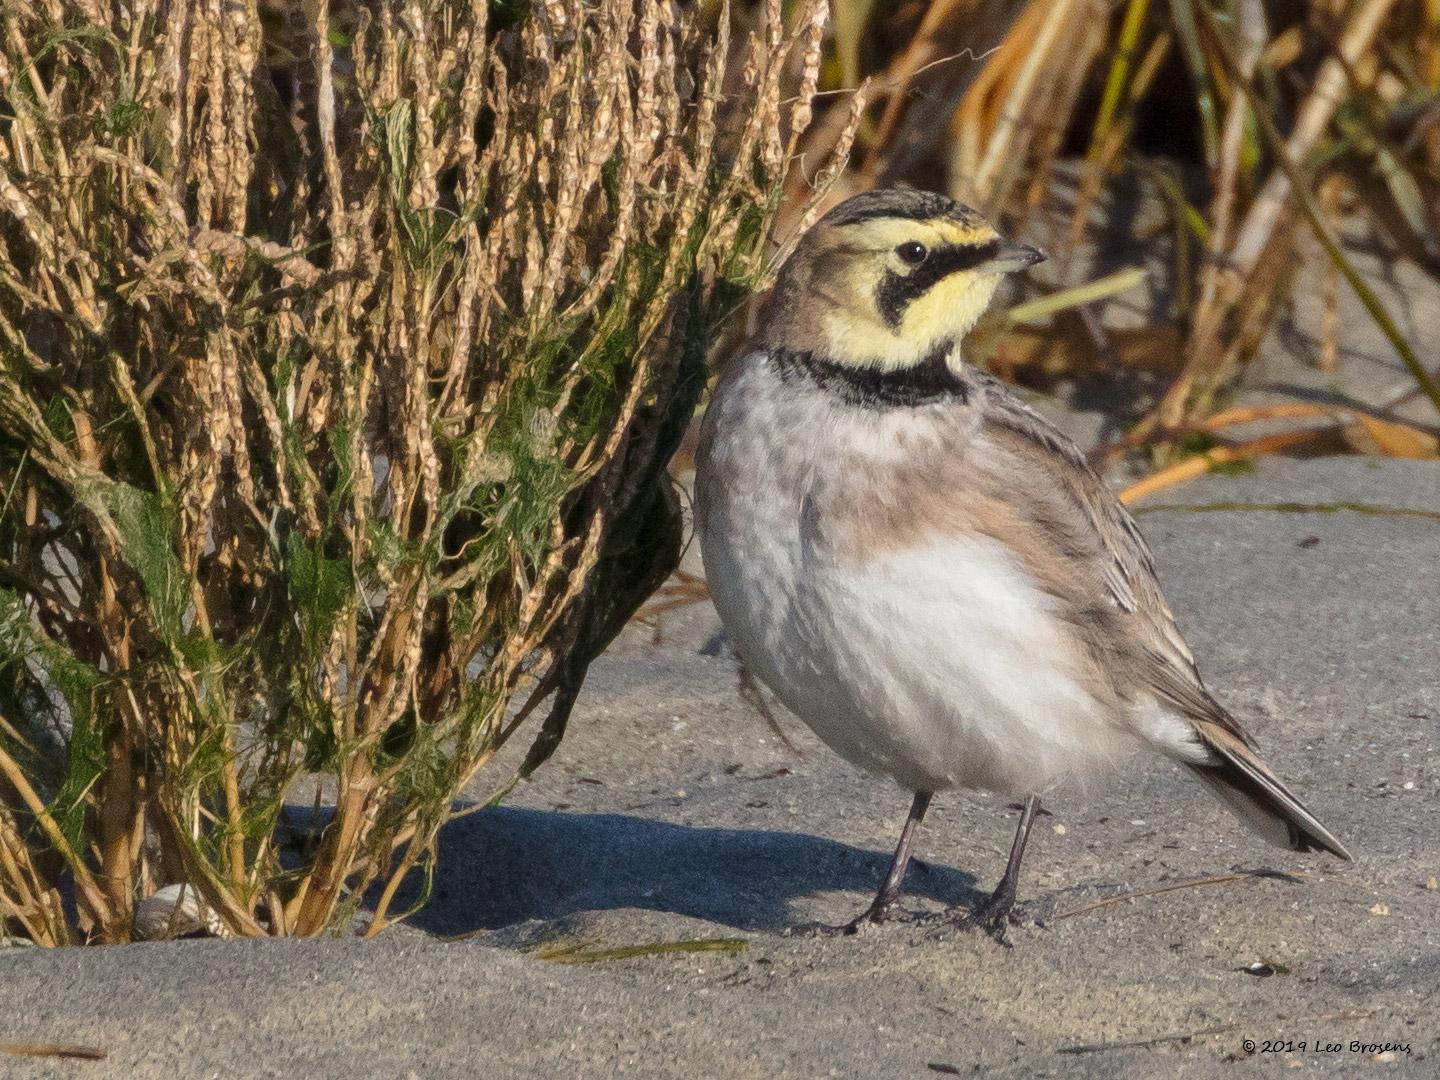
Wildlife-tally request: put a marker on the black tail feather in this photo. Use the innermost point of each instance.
(1259, 797)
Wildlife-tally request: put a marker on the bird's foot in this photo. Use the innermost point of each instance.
(875, 916)
(994, 917)
(965, 921)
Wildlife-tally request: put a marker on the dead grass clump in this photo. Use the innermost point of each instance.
(340, 359)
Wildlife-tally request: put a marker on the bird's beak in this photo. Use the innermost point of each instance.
(1011, 257)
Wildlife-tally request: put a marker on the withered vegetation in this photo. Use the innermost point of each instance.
(341, 356)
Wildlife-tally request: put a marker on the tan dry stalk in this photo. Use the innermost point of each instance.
(89, 894)
(1329, 197)
(1325, 95)
(1014, 115)
(1086, 42)
(27, 894)
(1112, 142)
(1251, 36)
(1210, 352)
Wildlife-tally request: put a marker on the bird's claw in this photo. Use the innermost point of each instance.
(995, 917)
(874, 917)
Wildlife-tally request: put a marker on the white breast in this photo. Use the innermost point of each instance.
(939, 665)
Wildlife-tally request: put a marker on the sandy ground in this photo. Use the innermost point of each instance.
(673, 813)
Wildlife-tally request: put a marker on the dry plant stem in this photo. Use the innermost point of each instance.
(89, 894)
(921, 51)
(1252, 36)
(1249, 414)
(1314, 216)
(1115, 81)
(1310, 123)
(1109, 901)
(1208, 350)
(1381, 416)
(1329, 357)
(952, 48)
(1000, 148)
(1200, 464)
(27, 895)
(1100, 289)
(837, 139)
(1087, 42)
(1108, 144)
(60, 1050)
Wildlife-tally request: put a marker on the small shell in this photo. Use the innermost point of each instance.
(174, 911)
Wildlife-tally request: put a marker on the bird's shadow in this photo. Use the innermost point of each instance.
(502, 866)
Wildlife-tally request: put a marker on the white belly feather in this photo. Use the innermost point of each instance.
(936, 664)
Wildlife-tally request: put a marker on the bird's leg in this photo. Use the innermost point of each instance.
(888, 898)
(997, 908)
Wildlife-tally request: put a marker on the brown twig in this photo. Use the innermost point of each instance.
(1209, 350)
(1199, 464)
(60, 1050)
(1221, 879)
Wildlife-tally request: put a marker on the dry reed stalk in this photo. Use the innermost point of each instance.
(920, 84)
(335, 394)
(1325, 95)
(1200, 464)
(1250, 38)
(1110, 137)
(1014, 121)
(1088, 41)
(1210, 351)
(1330, 195)
(927, 46)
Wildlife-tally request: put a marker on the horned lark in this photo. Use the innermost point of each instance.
(921, 567)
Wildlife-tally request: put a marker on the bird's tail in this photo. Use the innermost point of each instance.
(1257, 796)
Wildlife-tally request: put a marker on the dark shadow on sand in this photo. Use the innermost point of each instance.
(503, 866)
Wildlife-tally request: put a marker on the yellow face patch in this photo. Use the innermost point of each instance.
(949, 309)
(855, 325)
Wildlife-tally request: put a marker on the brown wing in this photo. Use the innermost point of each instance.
(1099, 566)
(1139, 631)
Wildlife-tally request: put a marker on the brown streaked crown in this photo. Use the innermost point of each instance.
(900, 203)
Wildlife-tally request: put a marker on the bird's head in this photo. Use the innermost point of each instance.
(887, 277)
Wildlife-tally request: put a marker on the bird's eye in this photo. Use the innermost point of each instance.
(912, 253)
